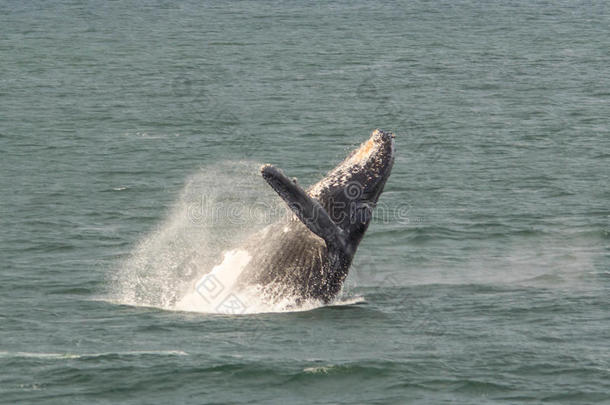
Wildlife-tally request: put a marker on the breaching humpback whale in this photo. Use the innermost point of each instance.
(307, 255)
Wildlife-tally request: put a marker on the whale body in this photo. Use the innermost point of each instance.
(307, 255)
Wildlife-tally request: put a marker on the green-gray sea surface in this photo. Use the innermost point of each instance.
(485, 278)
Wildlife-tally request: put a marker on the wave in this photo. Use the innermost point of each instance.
(63, 356)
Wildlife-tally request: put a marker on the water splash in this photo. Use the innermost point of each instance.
(192, 260)
(218, 207)
(219, 292)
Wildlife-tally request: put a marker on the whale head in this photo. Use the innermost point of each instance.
(351, 190)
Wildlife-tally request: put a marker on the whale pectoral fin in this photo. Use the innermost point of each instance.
(306, 208)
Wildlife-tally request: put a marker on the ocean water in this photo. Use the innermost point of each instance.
(130, 139)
